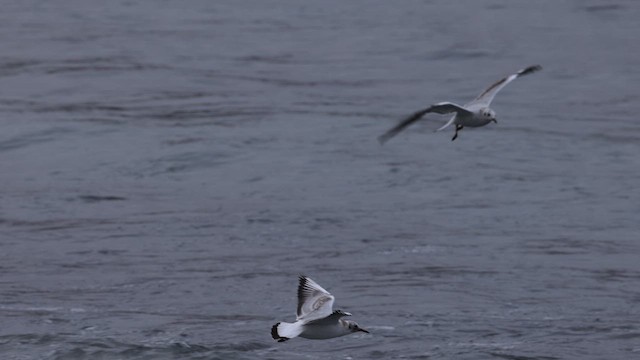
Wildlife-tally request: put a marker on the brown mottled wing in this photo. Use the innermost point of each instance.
(314, 302)
(485, 99)
(439, 108)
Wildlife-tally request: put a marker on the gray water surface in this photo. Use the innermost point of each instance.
(169, 168)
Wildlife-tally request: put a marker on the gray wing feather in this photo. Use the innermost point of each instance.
(314, 302)
(486, 97)
(439, 108)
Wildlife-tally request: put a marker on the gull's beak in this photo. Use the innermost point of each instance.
(494, 120)
(363, 330)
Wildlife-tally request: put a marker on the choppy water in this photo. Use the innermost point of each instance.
(169, 168)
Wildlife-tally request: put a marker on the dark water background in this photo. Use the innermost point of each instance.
(168, 168)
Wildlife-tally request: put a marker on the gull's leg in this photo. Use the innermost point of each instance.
(458, 128)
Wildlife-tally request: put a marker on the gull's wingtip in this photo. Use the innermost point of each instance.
(530, 69)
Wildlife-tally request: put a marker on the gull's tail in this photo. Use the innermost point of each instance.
(447, 124)
(283, 331)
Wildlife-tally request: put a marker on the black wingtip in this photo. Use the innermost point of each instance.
(275, 335)
(383, 139)
(530, 69)
(404, 123)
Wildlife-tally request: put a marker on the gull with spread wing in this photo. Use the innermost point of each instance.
(316, 318)
(474, 114)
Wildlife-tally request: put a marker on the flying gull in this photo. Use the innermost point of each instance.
(316, 318)
(473, 114)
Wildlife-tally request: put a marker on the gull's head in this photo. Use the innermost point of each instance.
(489, 115)
(341, 313)
(353, 327)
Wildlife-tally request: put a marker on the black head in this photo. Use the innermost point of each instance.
(341, 313)
(355, 328)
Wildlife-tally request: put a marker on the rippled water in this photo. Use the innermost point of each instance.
(169, 168)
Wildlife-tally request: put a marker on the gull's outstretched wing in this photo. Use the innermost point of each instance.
(484, 99)
(314, 302)
(331, 319)
(439, 108)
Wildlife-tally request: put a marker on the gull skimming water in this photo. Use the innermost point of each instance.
(474, 114)
(315, 316)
